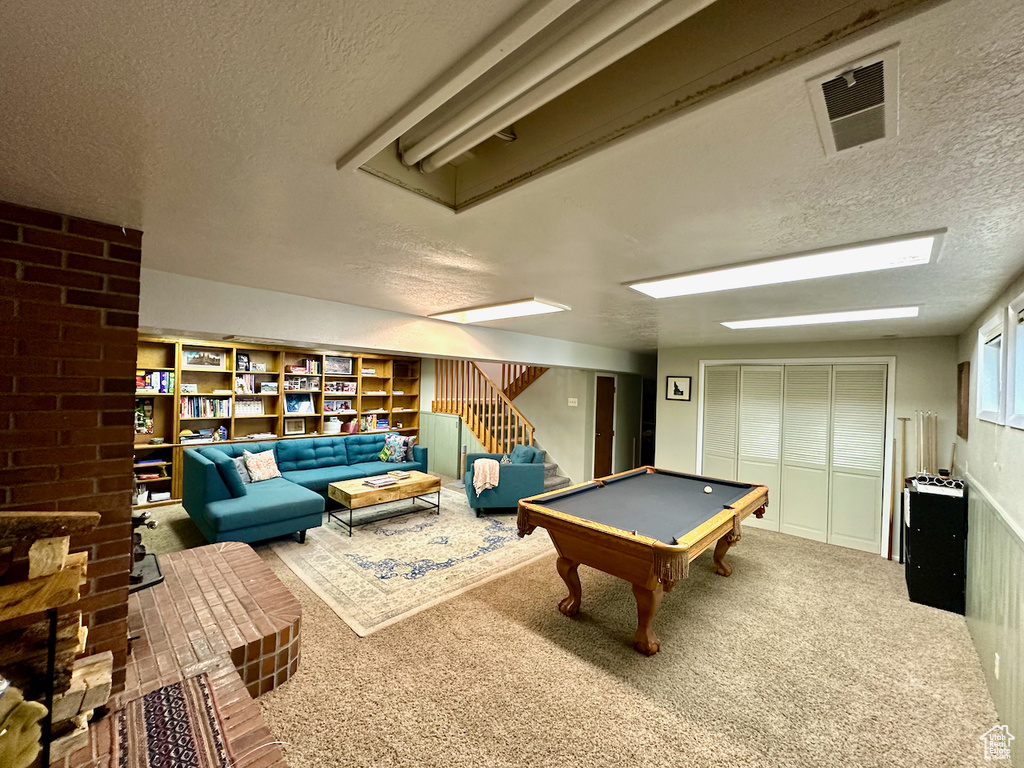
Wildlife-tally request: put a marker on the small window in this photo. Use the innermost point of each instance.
(990, 371)
(1015, 364)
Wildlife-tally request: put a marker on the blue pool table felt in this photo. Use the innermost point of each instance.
(662, 505)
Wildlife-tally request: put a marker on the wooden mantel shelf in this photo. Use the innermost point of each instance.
(16, 527)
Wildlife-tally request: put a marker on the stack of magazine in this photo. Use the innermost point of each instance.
(399, 474)
(380, 482)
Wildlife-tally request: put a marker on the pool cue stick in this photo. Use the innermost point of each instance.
(919, 444)
(892, 496)
(903, 474)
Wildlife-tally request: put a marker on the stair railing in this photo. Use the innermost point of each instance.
(516, 377)
(462, 389)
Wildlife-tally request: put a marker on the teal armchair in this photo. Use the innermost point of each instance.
(523, 477)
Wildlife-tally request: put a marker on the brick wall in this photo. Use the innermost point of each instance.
(69, 318)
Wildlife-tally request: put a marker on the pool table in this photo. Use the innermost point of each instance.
(644, 526)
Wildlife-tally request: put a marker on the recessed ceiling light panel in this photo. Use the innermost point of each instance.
(523, 308)
(859, 315)
(850, 260)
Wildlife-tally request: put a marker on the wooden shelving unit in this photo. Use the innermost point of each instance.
(243, 392)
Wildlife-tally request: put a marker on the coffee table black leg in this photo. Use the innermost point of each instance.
(424, 498)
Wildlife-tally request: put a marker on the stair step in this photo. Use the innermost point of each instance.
(554, 482)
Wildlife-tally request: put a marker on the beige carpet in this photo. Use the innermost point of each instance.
(809, 655)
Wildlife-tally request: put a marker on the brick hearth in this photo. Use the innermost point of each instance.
(222, 611)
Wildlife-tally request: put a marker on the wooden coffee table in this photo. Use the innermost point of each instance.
(355, 494)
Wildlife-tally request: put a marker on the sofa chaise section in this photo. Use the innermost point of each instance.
(278, 508)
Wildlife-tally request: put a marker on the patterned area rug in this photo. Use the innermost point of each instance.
(172, 727)
(394, 568)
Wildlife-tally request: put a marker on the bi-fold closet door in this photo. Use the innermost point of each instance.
(814, 434)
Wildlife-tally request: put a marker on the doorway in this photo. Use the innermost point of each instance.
(604, 425)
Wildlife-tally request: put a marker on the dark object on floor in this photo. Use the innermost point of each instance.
(175, 725)
(145, 569)
(936, 550)
(148, 572)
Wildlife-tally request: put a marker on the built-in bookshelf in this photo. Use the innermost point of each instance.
(191, 392)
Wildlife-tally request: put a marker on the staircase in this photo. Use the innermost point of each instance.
(553, 477)
(462, 389)
(515, 378)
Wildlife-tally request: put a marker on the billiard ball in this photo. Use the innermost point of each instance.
(707, 489)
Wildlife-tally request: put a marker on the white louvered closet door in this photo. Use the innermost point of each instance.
(760, 427)
(721, 420)
(858, 456)
(807, 406)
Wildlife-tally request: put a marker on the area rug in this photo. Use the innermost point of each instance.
(395, 568)
(172, 727)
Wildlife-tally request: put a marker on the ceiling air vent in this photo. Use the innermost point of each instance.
(856, 104)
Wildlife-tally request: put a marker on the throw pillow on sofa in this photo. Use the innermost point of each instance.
(261, 466)
(399, 448)
(523, 454)
(243, 473)
(228, 473)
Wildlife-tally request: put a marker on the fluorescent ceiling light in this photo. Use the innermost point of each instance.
(850, 260)
(829, 317)
(522, 308)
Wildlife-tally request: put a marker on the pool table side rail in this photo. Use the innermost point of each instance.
(671, 562)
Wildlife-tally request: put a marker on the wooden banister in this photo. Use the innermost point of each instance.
(464, 390)
(516, 377)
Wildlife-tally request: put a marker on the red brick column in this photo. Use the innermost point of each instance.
(69, 317)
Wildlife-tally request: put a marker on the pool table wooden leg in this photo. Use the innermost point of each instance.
(647, 603)
(722, 568)
(568, 570)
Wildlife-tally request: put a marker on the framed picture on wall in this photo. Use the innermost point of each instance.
(677, 387)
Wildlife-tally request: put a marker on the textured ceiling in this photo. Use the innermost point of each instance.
(214, 128)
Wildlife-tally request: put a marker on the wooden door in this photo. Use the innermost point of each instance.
(604, 425)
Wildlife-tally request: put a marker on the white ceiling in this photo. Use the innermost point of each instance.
(214, 128)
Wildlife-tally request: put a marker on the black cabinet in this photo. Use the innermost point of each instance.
(936, 550)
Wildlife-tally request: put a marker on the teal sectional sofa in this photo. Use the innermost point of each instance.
(226, 509)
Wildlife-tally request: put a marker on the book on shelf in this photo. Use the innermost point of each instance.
(245, 384)
(203, 407)
(154, 382)
(379, 482)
